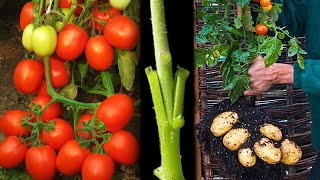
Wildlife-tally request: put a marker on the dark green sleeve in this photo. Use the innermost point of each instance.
(308, 79)
(293, 16)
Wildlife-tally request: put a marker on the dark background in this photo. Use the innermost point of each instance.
(179, 20)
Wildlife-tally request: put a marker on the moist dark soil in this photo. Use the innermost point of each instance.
(251, 118)
(12, 51)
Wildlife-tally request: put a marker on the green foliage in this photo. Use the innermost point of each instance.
(238, 42)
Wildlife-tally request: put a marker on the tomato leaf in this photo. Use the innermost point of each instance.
(300, 60)
(241, 84)
(70, 91)
(273, 48)
(127, 68)
(83, 69)
(237, 22)
(200, 56)
(243, 3)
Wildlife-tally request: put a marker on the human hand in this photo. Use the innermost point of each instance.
(262, 78)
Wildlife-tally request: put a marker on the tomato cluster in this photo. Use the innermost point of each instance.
(47, 142)
(265, 4)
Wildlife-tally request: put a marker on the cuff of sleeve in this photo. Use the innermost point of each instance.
(297, 76)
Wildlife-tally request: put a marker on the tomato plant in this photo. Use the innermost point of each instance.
(256, 35)
(58, 135)
(99, 53)
(53, 111)
(12, 152)
(28, 76)
(59, 73)
(11, 123)
(103, 167)
(122, 32)
(71, 157)
(44, 40)
(116, 112)
(41, 162)
(26, 15)
(71, 42)
(122, 147)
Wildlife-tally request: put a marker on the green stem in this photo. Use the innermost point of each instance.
(86, 8)
(171, 167)
(55, 8)
(162, 55)
(75, 123)
(67, 18)
(60, 98)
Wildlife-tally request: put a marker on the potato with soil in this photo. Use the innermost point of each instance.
(266, 151)
(290, 152)
(235, 138)
(271, 131)
(223, 123)
(246, 157)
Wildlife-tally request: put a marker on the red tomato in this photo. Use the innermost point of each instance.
(59, 73)
(61, 134)
(84, 118)
(115, 112)
(26, 15)
(67, 4)
(104, 16)
(98, 167)
(11, 123)
(122, 32)
(41, 162)
(71, 42)
(99, 53)
(28, 76)
(12, 152)
(43, 90)
(265, 3)
(52, 112)
(71, 157)
(261, 29)
(122, 147)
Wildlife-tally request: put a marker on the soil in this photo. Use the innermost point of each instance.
(12, 51)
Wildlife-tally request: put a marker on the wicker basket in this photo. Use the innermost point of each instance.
(282, 102)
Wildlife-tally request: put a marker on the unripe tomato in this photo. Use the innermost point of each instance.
(261, 29)
(44, 40)
(26, 37)
(120, 4)
(267, 8)
(265, 3)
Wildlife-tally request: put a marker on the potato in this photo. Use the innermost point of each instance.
(271, 131)
(290, 152)
(246, 157)
(266, 151)
(235, 138)
(223, 123)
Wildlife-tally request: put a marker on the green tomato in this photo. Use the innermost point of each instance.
(64, 11)
(120, 4)
(44, 40)
(26, 37)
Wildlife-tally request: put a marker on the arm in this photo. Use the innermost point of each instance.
(262, 78)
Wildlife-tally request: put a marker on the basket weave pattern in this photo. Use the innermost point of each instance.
(282, 102)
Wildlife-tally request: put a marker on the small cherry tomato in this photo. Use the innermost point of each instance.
(71, 157)
(41, 162)
(265, 3)
(261, 29)
(28, 76)
(12, 152)
(61, 134)
(97, 167)
(267, 8)
(11, 123)
(123, 147)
